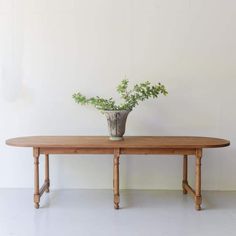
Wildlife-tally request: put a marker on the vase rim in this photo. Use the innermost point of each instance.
(127, 110)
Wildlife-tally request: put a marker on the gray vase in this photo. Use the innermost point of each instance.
(116, 123)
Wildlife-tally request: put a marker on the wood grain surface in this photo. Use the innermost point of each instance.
(127, 142)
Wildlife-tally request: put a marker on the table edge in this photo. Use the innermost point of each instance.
(226, 143)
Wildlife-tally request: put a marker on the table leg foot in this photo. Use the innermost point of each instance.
(183, 187)
(198, 201)
(36, 200)
(198, 207)
(116, 206)
(116, 201)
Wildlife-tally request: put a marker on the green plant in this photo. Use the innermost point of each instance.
(130, 98)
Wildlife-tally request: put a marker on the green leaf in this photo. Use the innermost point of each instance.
(131, 98)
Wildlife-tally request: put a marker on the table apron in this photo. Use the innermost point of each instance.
(131, 151)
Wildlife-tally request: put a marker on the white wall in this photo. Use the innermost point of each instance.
(51, 48)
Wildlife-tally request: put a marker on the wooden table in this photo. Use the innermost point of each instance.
(179, 145)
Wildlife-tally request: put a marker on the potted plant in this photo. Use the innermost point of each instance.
(117, 113)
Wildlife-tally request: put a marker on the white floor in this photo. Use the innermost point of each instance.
(90, 212)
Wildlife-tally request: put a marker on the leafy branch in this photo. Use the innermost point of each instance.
(130, 98)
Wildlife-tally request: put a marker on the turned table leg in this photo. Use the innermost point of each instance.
(47, 180)
(198, 197)
(36, 178)
(116, 178)
(185, 173)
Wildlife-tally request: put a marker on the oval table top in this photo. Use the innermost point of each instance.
(127, 142)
